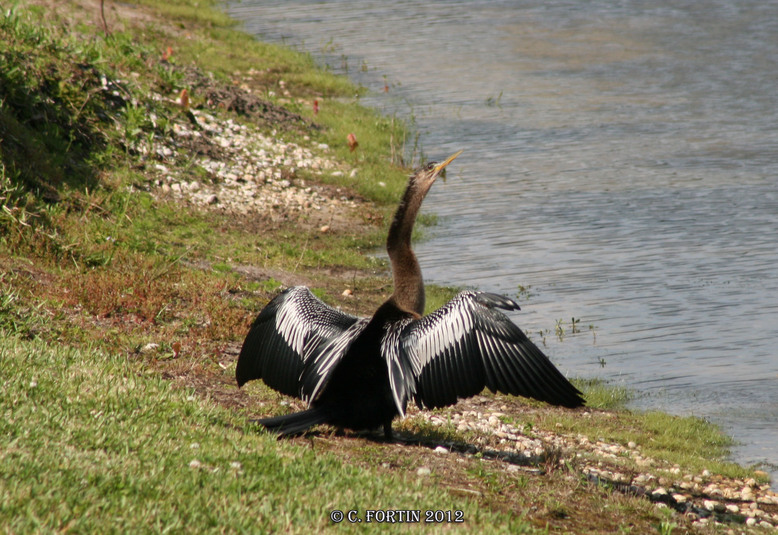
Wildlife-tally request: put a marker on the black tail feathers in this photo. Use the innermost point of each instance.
(295, 423)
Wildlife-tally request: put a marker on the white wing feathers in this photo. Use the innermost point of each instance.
(437, 333)
(402, 376)
(467, 345)
(285, 335)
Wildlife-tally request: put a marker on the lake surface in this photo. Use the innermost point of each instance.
(621, 165)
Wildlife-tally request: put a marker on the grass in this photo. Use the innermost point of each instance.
(689, 443)
(137, 454)
(71, 119)
(121, 312)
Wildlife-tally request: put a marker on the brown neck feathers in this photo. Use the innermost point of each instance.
(406, 272)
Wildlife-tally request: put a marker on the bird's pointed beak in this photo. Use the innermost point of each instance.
(442, 165)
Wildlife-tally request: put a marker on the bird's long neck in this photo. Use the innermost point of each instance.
(406, 272)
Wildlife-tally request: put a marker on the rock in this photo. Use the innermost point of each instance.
(642, 479)
(710, 505)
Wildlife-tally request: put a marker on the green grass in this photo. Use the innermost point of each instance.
(602, 395)
(691, 443)
(92, 442)
(437, 296)
(63, 130)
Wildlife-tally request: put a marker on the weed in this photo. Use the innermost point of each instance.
(666, 527)
(494, 101)
(524, 293)
(559, 329)
(602, 395)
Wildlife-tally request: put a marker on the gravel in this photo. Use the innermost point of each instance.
(236, 169)
(702, 497)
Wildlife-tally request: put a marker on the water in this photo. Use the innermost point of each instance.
(621, 162)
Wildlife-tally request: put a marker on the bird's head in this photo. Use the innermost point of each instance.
(426, 175)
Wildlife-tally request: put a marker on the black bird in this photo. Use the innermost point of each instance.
(360, 373)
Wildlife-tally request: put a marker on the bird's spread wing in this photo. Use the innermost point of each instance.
(317, 370)
(467, 344)
(285, 335)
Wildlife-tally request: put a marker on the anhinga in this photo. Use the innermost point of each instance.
(359, 373)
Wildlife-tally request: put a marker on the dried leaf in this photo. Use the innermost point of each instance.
(183, 99)
(352, 142)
